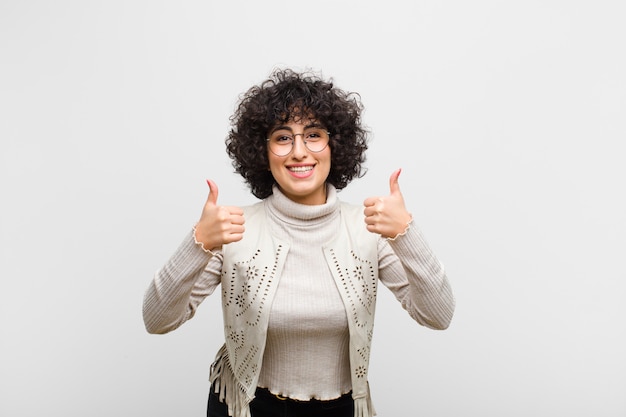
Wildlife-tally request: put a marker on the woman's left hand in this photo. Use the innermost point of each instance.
(387, 215)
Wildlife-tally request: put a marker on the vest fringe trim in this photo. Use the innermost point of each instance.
(363, 406)
(229, 389)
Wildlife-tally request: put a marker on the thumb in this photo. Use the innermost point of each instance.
(394, 186)
(213, 191)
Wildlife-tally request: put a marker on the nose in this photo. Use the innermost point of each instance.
(299, 148)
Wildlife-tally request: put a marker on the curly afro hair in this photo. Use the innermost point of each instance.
(285, 96)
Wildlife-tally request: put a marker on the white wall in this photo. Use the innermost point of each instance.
(506, 117)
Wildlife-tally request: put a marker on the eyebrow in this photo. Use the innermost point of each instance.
(285, 127)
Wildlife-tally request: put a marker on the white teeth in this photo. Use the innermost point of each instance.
(300, 169)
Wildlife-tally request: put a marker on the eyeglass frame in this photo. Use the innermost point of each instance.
(293, 141)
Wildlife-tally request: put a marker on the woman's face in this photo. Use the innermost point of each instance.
(301, 174)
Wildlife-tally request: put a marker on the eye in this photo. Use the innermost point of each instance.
(283, 139)
(314, 135)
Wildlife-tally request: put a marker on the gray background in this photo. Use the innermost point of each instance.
(506, 117)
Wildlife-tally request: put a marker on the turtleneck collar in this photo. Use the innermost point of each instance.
(288, 211)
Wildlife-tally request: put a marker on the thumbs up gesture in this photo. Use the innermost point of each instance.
(218, 225)
(387, 215)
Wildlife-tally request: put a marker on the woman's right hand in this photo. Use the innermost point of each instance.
(218, 225)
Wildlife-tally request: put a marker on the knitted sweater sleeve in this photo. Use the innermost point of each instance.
(179, 287)
(410, 269)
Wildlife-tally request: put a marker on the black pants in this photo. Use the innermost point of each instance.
(266, 404)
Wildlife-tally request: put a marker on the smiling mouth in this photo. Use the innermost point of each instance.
(301, 169)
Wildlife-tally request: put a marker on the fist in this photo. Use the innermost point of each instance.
(387, 215)
(218, 225)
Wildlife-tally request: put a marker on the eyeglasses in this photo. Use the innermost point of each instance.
(281, 141)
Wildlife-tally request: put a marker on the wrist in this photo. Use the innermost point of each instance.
(406, 229)
(200, 242)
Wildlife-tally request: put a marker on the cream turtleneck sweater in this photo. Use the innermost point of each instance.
(306, 354)
(307, 340)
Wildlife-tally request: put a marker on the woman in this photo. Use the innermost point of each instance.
(299, 269)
